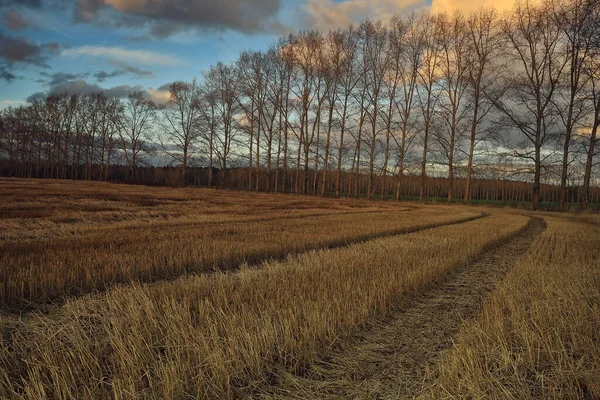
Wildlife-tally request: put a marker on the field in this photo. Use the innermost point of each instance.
(116, 291)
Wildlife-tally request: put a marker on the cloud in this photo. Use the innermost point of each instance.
(159, 96)
(37, 96)
(327, 14)
(11, 103)
(81, 87)
(101, 76)
(15, 49)
(59, 78)
(6, 75)
(24, 3)
(120, 54)
(123, 69)
(14, 21)
(163, 18)
(468, 6)
(165, 87)
(121, 91)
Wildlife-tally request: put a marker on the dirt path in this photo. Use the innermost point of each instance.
(390, 360)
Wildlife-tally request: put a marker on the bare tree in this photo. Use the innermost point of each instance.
(454, 67)
(485, 46)
(408, 66)
(391, 80)
(255, 71)
(592, 71)
(361, 97)
(428, 93)
(348, 82)
(574, 18)
(376, 58)
(135, 130)
(208, 125)
(247, 100)
(269, 108)
(334, 65)
(525, 98)
(221, 82)
(307, 86)
(180, 123)
(285, 67)
(110, 112)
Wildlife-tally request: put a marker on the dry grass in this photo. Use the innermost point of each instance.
(35, 209)
(225, 335)
(79, 246)
(539, 335)
(232, 334)
(389, 358)
(593, 219)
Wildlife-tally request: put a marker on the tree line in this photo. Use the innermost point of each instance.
(356, 111)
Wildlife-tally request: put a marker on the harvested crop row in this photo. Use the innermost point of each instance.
(221, 335)
(539, 335)
(39, 209)
(57, 200)
(48, 270)
(593, 219)
(22, 231)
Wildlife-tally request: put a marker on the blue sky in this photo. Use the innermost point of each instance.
(81, 45)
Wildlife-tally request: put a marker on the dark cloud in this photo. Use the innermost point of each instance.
(37, 4)
(124, 69)
(14, 49)
(101, 76)
(37, 96)
(59, 78)
(17, 51)
(82, 87)
(165, 87)
(24, 3)
(7, 75)
(14, 21)
(141, 73)
(164, 18)
(88, 10)
(122, 91)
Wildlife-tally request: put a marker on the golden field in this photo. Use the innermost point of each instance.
(538, 336)
(115, 291)
(80, 237)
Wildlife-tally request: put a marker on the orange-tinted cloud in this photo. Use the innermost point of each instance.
(160, 95)
(468, 6)
(126, 5)
(327, 14)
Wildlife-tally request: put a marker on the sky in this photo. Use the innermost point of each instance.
(118, 46)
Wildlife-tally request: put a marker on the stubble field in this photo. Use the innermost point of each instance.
(115, 291)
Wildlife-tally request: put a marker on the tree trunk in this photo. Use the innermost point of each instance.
(467, 194)
(328, 140)
(341, 149)
(585, 198)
